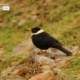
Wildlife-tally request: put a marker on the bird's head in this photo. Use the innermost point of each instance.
(36, 30)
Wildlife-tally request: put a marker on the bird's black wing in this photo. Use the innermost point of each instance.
(48, 40)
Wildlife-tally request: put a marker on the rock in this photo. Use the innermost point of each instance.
(50, 68)
(41, 59)
(58, 71)
(44, 60)
(34, 17)
(22, 71)
(74, 49)
(21, 22)
(7, 71)
(22, 47)
(47, 67)
(47, 75)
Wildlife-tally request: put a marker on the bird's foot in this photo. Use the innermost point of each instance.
(53, 58)
(42, 51)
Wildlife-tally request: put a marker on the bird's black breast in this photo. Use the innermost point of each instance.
(44, 41)
(39, 42)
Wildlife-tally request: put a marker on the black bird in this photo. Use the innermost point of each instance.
(43, 41)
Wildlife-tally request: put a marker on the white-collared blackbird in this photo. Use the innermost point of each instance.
(43, 41)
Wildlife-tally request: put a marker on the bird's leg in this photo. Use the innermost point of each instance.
(44, 51)
(41, 51)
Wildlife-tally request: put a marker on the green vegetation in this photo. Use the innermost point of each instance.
(71, 36)
(60, 18)
(73, 66)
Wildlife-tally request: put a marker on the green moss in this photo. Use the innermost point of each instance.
(59, 18)
(71, 36)
(72, 66)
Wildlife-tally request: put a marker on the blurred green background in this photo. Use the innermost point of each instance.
(60, 18)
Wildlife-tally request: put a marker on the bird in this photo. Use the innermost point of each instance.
(44, 41)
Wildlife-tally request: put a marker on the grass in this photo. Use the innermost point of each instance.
(28, 70)
(59, 18)
(72, 68)
(9, 38)
(71, 36)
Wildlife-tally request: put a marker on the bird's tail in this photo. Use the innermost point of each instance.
(68, 53)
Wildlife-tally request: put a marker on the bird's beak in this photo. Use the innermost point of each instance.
(28, 29)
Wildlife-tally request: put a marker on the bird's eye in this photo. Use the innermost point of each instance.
(34, 31)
